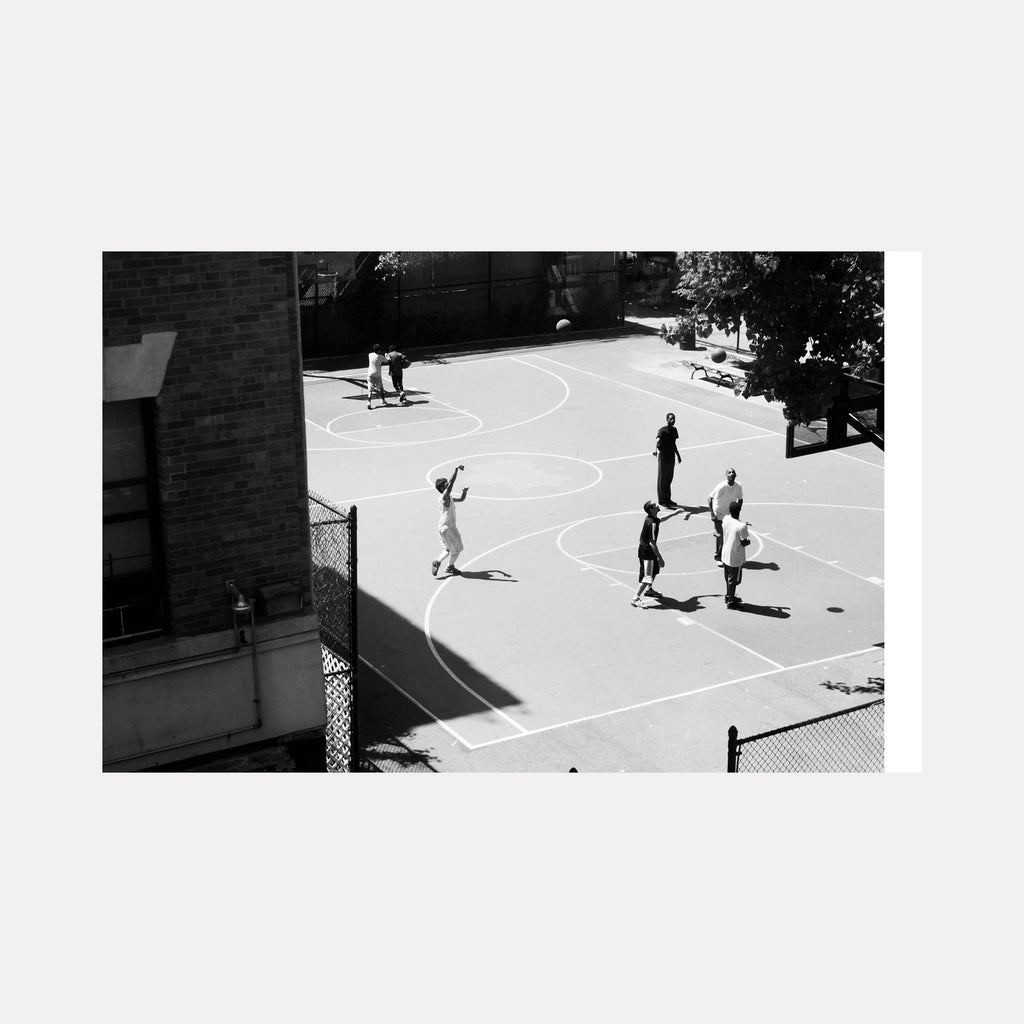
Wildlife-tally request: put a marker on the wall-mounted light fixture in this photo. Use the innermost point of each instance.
(240, 610)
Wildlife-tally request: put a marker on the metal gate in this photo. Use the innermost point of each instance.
(332, 535)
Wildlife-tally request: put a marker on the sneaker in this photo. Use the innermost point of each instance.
(719, 563)
(434, 566)
(452, 571)
(653, 593)
(637, 603)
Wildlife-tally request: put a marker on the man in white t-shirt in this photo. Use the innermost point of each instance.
(450, 536)
(734, 539)
(719, 501)
(374, 381)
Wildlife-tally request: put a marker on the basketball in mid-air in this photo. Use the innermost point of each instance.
(718, 356)
(563, 325)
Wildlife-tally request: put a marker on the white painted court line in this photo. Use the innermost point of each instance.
(876, 580)
(391, 494)
(742, 647)
(444, 725)
(630, 547)
(688, 448)
(437, 592)
(834, 565)
(530, 455)
(412, 423)
(674, 696)
(689, 405)
(652, 394)
(367, 444)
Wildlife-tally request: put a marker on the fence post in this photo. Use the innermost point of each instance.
(733, 734)
(353, 535)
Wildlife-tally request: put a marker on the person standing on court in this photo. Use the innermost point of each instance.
(450, 536)
(651, 560)
(667, 455)
(734, 539)
(719, 501)
(374, 381)
(396, 364)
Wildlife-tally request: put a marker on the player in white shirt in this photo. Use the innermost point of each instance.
(374, 381)
(450, 536)
(734, 539)
(719, 500)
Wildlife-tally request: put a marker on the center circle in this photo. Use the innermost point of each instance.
(519, 476)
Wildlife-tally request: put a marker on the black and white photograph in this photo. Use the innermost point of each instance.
(389, 511)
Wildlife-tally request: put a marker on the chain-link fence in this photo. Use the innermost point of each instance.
(444, 298)
(845, 741)
(333, 553)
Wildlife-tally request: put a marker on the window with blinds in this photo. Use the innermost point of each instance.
(132, 583)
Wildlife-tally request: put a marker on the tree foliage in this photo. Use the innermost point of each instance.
(808, 317)
(391, 264)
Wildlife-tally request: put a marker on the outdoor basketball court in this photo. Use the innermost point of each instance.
(533, 659)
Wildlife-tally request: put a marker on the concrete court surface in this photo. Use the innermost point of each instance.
(534, 660)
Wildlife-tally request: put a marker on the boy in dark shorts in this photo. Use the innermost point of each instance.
(396, 364)
(651, 560)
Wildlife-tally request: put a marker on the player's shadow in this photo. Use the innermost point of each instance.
(672, 604)
(691, 510)
(773, 611)
(774, 566)
(492, 575)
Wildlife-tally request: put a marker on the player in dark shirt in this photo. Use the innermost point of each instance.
(668, 455)
(651, 560)
(396, 364)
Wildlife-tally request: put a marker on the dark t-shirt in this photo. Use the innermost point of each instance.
(667, 438)
(648, 534)
(395, 361)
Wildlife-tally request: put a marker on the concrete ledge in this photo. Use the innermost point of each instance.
(168, 654)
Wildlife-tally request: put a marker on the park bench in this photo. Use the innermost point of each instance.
(731, 377)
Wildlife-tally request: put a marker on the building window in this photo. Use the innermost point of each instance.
(132, 580)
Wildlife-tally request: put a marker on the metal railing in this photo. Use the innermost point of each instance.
(844, 741)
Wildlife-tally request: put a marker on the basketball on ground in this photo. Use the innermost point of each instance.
(563, 325)
(718, 356)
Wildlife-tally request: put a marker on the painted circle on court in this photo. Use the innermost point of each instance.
(583, 559)
(519, 476)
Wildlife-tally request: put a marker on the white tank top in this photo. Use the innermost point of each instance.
(447, 514)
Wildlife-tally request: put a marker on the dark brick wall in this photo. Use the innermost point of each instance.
(229, 423)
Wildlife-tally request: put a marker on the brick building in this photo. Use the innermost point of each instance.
(210, 638)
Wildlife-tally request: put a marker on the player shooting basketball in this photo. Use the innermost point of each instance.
(450, 536)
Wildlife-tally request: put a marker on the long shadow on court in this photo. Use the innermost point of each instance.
(671, 604)
(387, 717)
(773, 611)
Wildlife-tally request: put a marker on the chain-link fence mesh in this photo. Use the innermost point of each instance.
(845, 741)
(339, 689)
(333, 554)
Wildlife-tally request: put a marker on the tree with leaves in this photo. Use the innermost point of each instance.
(809, 317)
